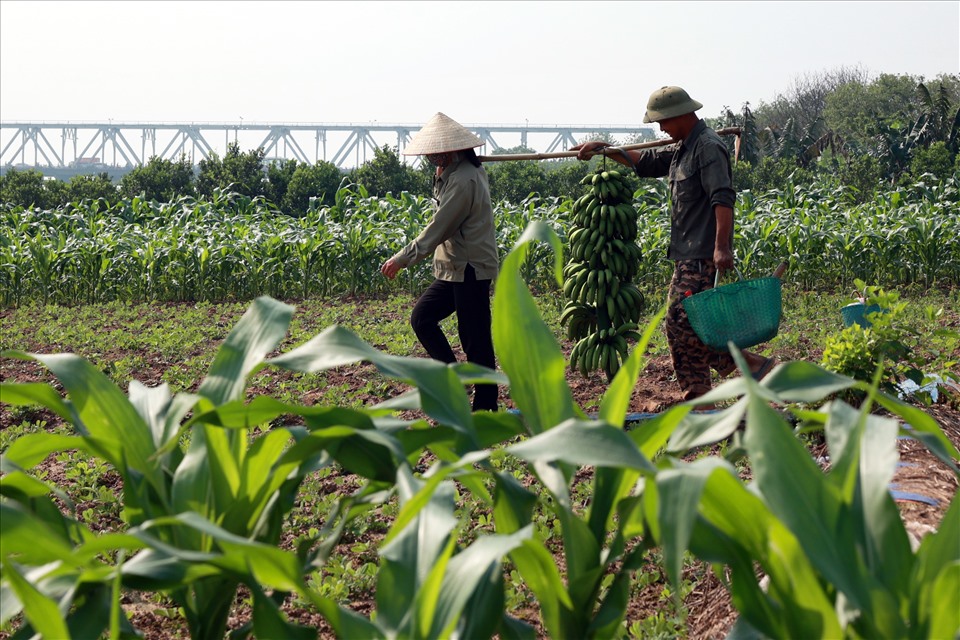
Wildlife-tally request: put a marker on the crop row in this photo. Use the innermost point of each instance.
(231, 247)
(205, 495)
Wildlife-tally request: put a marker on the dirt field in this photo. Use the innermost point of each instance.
(925, 484)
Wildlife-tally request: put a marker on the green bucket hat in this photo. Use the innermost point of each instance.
(669, 102)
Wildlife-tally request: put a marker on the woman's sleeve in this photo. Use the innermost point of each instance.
(451, 212)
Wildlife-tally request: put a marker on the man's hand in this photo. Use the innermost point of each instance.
(723, 258)
(722, 252)
(588, 149)
(390, 269)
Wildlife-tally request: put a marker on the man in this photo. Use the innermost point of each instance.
(462, 240)
(701, 226)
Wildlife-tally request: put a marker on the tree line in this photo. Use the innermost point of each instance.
(839, 127)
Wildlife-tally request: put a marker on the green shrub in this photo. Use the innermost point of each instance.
(885, 348)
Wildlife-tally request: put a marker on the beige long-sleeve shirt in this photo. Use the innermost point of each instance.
(461, 231)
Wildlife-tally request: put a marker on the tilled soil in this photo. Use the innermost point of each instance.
(928, 487)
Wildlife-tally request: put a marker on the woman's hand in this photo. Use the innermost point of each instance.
(390, 269)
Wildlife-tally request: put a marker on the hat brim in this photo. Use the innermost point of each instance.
(672, 112)
(441, 135)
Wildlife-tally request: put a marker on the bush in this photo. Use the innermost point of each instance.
(159, 180)
(29, 189)
(241, 172)
(319, 181)
(92, 187)
(385, 173)
(884, 348)
(935, 160)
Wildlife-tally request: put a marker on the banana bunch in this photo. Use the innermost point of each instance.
(625, 306)
(603, 349)
(580, 319)
(608, 185)
(603, 305)
(610, 220)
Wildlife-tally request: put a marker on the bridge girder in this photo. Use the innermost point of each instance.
(29, 143)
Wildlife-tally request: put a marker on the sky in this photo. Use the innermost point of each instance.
(572, 63)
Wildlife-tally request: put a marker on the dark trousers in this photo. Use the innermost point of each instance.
(692, 360)
(470, 300)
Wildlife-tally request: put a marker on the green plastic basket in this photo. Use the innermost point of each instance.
(856, 314)
(746, 312)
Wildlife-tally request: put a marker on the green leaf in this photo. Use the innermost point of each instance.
(679, 496)
(464, 574)
(804, 382)
(526, 348)
(154, 570)
(739, 530)
(116, 431)
(257, 333)
(345, 623)
(41, 612)
(652, 435)
(616, 399)
(931, 606)
(30, 540)
(442, 394)
(582, 552)
(31, 449)
(539, 571)
(268, 565)
(794, 489)
(924, 428)
(513, 504)
(413, 549)
(696, 430)
(425, 608)
(612, 483)
(269, 622)
(154, 406)
(887, 547)
(581, 442)
(33, 393)
(944, 614)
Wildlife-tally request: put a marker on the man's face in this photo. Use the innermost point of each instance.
(671, 127)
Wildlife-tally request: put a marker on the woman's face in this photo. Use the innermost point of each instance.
(439, 159)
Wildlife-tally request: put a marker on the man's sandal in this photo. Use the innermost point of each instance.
(764, 369)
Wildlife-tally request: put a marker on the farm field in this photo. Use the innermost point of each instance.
(175, 343)
(265, 437)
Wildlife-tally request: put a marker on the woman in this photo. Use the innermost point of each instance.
(462, 241)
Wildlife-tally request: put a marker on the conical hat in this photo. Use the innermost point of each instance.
(439, 135)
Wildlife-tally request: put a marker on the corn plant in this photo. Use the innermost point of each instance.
(203, 518)
(233, 247)
(833, 548)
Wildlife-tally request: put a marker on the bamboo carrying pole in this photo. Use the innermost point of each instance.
(735, 131)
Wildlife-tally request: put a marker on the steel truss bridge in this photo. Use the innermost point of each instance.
(88, 147)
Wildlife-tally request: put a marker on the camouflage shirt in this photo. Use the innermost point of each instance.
(700, 177)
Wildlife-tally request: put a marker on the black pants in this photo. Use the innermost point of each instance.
(470, 300)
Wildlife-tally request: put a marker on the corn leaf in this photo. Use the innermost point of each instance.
(260, 329)
(581, 442)
(526, 348)
(464, 575)
(33, 393)
(41, 612)
(104, 415)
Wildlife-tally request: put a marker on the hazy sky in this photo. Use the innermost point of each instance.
(478, 62)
